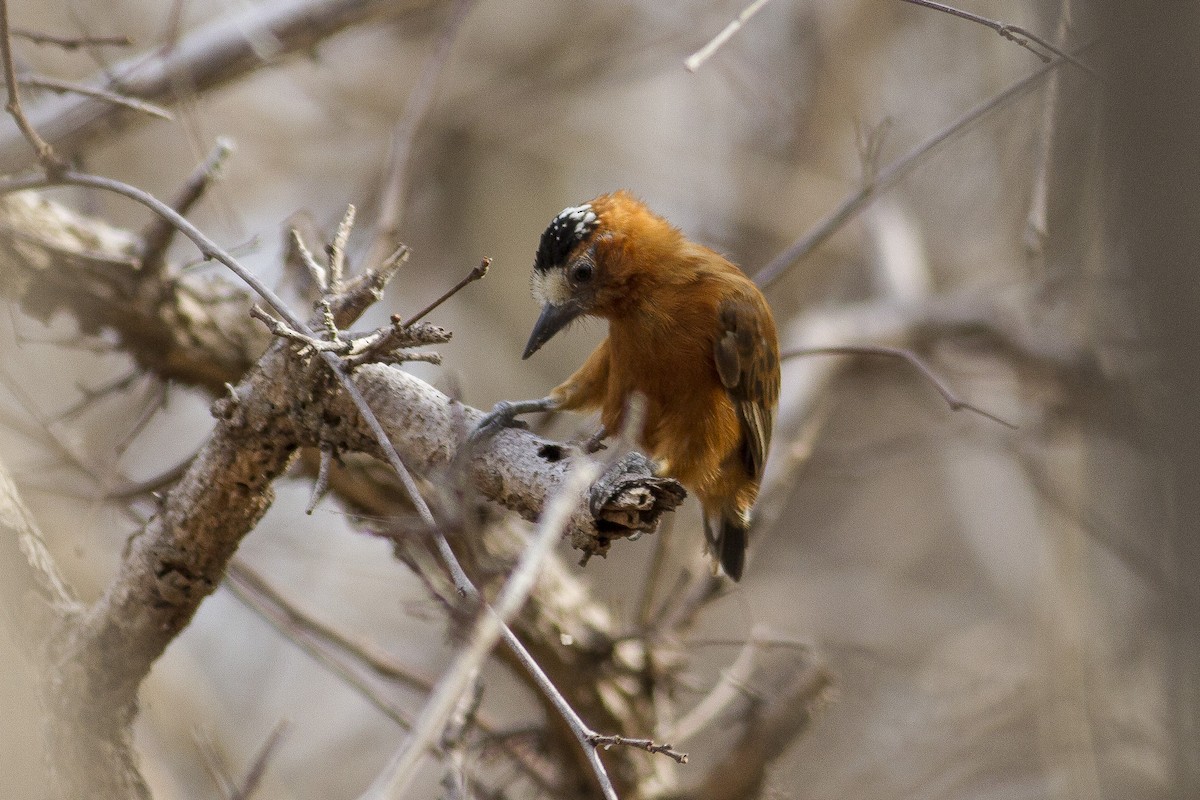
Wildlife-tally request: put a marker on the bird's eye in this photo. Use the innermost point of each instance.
(582, 272)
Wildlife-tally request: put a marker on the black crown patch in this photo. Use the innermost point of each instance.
(569, 228)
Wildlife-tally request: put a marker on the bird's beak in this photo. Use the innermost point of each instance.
(552, 320)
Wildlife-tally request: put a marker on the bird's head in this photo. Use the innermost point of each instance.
(587, 261)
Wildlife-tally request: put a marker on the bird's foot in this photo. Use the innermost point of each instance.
(595, 442)
(504, 415)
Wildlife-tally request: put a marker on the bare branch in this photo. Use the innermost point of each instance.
(259, 767)
(728, 688)
(160, 232)
(615, 740)
(29, 568)
(316, 272)
(71, 42)
(189, 329)
(487, 631)
(773, 723)
(583, 734)
(221, 51)
(361, 665)
(697, 59)
(472, 276)
(394, 190)
(915, 361)
(337, 250)
(889, 176)
(46, 156)
(339, 655)
(1013, 33)
(62, 87)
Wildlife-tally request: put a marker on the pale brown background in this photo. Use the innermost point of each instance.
(987, 642)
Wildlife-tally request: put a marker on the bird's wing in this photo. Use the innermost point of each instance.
(748, 363)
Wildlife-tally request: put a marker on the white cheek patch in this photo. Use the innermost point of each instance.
(550, 287)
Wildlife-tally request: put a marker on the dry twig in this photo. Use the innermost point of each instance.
(45, 153)
(59, 86)
(394, 190)
(697, 59)
(890, 175)
(472, 276)
(915, 361)
(489, 628)
(1014, 33)
(157, 236)
(220, 52)
(71, 42)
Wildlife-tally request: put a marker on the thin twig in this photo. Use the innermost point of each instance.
(62, 87)
(259, 767)
(317, 272)
(375, 660)
(889, 176)
(549, 690)
(90, 395)
(690, 594)
(654, 572)
(45, 153)
(394, 190)
(214, 762)
(158, 235)
(337, 250)
(490, 626)
(60, 437)
(600, 740)
(223, 50)
(32, 570)
(308, 340)
(1011, 32)
(156, 400)
(321, 485)
(1046, 156)
(696, 59)
(346, 658)
(207, 246)
(472, 276)
(150, 485)
(71, 42)
(311, 636)
(730, 687)
(952, 399)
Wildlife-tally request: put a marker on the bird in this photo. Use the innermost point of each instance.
(688, 332)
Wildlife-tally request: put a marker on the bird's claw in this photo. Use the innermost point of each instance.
(595, 442)
(503, 415)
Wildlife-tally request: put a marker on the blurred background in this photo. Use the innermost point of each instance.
(989, 600)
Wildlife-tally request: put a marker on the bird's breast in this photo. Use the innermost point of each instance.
(688, 423)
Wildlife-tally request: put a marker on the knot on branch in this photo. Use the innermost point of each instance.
(626, 501)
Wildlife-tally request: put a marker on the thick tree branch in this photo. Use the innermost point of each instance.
(179, 558)
(101, 659)
(188, 329)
